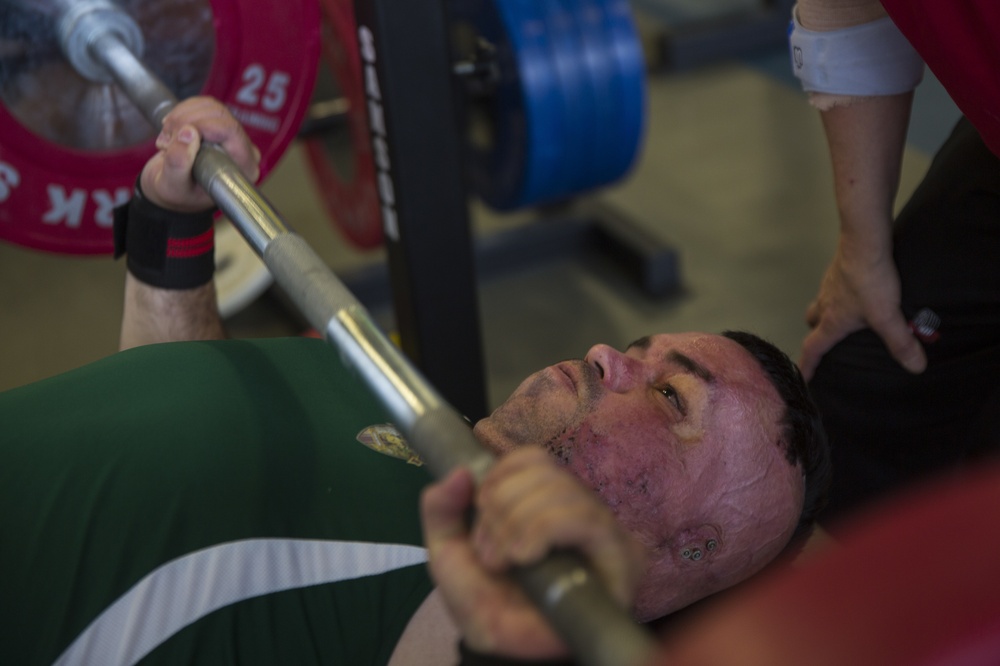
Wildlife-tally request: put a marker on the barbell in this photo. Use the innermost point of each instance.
(103, 42)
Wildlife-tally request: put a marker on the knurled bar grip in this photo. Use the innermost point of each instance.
(574, 600)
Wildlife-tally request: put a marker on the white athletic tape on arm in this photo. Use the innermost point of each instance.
(868, 59)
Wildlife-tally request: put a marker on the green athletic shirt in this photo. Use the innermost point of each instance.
(205, 503)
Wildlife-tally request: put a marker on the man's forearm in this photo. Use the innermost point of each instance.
(866, 141)
(167, 230)
(152, 314)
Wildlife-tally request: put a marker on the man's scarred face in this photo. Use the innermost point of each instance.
(678, 431)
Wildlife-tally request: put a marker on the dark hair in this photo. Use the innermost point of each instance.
(803, 437)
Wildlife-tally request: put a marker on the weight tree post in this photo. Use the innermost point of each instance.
(417, 144)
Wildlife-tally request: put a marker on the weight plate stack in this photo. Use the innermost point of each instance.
(562, 111)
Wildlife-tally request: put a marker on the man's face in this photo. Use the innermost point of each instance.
(678, 432)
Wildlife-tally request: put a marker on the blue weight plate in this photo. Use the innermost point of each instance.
(518, 165)
(577, 96)
(543, 99)
(603, 70)
(621, 32)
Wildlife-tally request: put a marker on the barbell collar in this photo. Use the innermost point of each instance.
(83, 22)
(123, 66)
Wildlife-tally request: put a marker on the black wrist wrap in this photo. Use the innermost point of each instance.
(165, 249)
(469, 657)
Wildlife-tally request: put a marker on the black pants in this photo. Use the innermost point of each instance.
(889, 428)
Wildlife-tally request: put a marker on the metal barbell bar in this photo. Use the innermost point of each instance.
(103, 43)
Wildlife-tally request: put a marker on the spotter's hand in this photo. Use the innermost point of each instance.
(854, 295)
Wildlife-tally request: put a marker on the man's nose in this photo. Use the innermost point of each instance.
(618, 372)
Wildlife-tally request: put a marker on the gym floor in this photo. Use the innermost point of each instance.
(734, 175)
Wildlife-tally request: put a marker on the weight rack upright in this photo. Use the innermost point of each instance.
(416, 119)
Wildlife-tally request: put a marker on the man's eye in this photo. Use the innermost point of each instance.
(675, 399)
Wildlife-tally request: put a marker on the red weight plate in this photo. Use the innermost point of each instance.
(57, 188)
(349, 193)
